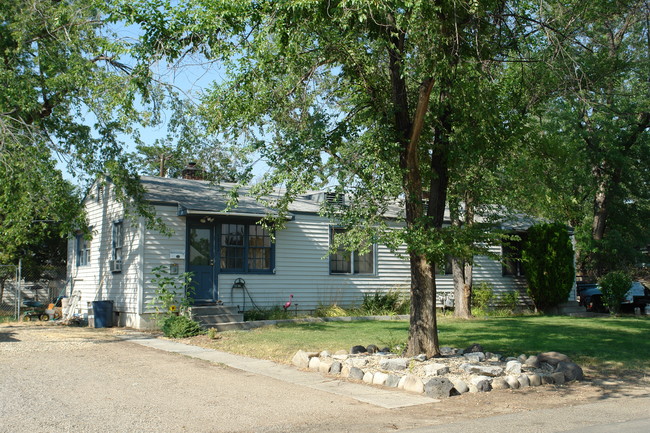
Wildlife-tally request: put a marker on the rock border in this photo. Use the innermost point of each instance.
(456, 372)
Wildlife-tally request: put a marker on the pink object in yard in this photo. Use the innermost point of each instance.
(288, 303)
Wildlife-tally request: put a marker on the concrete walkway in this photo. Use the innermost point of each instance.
(385, 398)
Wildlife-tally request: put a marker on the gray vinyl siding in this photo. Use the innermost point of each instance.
(96, 281)
(302, 270)
(157, 249)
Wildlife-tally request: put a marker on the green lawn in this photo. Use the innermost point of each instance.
(602, 343)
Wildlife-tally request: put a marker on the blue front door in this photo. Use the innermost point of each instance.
(201, 263)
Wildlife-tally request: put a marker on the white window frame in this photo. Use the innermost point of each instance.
(351, 256)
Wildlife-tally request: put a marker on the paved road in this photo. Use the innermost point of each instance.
(88, 381)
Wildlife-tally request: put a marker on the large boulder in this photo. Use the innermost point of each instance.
(481, 383)
(413, 384)
(394, 364)
(436, 369)
(438, 387)
(301, 358)
(553, 358)
(513, 367)
(475, 347)
(571, 371)
(484, 370)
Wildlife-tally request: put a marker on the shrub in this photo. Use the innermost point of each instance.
(614, 286)
(331, 310)
(510, 300)
(378, 304)
(180, 327)
(547, 258)
(482, 296)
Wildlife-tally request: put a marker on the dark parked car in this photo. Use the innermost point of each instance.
(591, 297)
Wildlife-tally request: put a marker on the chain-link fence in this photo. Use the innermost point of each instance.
(25, 291)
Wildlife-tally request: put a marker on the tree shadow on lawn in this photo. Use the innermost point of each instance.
(620, 341)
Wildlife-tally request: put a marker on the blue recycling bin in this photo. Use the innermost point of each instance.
(103, 311)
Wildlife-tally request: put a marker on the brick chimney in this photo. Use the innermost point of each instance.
(191, 171)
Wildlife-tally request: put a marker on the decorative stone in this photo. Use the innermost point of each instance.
(524, 381)
(532, 362)
(356, 373)
(492, 357)
(436, 369)
(484, 370)
(438, 387)
(402, 381)
(367, 377)
(448, 351)
(341, 352)
(356, 362)
(300, 359)
(371, 348)
(379, 378)
(358, 349)
(547, 379)
(421, 357)
(475, 347)
(460, 386)
(314, 363)
(345, 371)
(522, 358)
(475, 356)
(325, 354)
(335, 368)
(413, 384)
(482, 383)
(571, 370)
(394, 364)
(512, 381)
(553, 358)
(384, 350)
(513, 367)
(392, 381)
(325, 365)
(558, 377)
(535, 379)
(499, 383)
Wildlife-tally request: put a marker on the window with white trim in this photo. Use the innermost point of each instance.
(117, 245)
(83, 250)
(351, 262)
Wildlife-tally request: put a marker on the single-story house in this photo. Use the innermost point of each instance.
(232, 258)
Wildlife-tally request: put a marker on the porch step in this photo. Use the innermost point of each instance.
(211, 315)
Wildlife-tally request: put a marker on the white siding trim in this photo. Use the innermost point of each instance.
(141, 266)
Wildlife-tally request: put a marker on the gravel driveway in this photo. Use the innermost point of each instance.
(87, 380)
(63, 379)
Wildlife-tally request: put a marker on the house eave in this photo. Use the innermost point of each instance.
(182, 211)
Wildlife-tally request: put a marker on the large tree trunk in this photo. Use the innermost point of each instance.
(462, 268)
(423, 332)
(462, 272)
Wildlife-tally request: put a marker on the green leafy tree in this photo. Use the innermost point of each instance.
(591, 145)
(366, 95)
(66, 95)
(547, 258)
(614, 287)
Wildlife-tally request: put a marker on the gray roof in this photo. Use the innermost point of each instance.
(206, 198)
